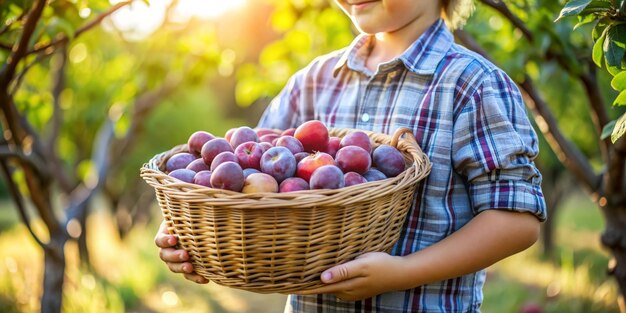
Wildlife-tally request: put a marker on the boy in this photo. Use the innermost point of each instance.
(482, 201)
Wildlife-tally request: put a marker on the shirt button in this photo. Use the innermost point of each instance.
(365, 117)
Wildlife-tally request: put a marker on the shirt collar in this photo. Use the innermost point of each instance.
(422, 57)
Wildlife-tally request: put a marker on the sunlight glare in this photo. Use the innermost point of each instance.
(169, 298)
(139, 20)
(206, 9)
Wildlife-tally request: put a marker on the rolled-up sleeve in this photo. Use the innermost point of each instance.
(282, 112)
(494, 147)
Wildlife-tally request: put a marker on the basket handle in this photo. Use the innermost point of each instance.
(395, 139)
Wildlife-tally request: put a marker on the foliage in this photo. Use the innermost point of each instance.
(609, 34)
(71, 114)
(518, 56)
(307, 29)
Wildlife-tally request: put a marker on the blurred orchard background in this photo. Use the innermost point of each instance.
(90, 90)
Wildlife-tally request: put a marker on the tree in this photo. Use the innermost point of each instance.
(28, 161)
(609, 33)
(77, 101)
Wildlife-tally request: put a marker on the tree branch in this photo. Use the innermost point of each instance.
(599, 116)
(54, 125)
(6, 46)
(19, 51)
(11, 118)
(17, 82)
(82, 194)
(589, 80)
(91, 24)
(7, 25)
(567, 152)
(58, 86)
(616, 166)
(19, 202)
(7, 153)
(501, 7)
(469, 42)
(37, 179)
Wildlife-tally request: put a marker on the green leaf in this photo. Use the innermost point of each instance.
(607, 130)
(597, 7)
(572, 8)
(598, 52)
(615, 45)
(621, 99)
(613, 70)
(620, 128)
(619, 81)
(600, 27)
(583, 20)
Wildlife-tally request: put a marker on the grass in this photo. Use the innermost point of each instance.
(128, 277)
(573, 280)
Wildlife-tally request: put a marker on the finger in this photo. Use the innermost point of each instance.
(163, 235)
(180, 267)
(196, 278)
(173, 255)
(342, 272)
(164, 240)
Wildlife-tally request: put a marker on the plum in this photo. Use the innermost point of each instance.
(327, 177)
(388, 160)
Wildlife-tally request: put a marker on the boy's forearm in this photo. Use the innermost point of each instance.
(486, 239)
(491, 236)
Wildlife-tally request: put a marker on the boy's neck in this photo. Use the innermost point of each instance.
(390, 45)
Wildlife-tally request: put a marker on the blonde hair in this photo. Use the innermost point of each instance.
(456, 12)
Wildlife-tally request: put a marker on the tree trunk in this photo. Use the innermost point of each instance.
(548, 227)
(614, 238)
(555, 187)
(83, 248)
(54, 272)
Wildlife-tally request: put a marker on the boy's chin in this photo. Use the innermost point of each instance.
(367, 24)
(367, 28)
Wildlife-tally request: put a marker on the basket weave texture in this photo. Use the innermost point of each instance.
(281, 242)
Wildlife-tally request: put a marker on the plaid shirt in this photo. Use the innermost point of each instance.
(467, 116)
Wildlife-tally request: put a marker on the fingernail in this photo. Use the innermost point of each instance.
(188, 269)
(181, 256)
(327, 276)
(171, 240)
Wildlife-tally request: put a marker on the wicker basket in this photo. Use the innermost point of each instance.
(281, 242)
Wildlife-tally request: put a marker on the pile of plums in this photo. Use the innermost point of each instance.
(267, 160)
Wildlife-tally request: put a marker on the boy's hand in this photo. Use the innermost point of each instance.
(175, 259)
(366, 276)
